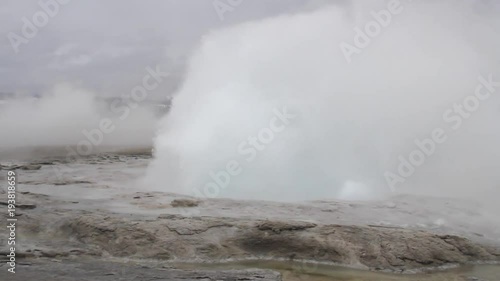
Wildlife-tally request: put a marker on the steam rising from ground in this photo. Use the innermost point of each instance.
(59, 118)
(351, 121)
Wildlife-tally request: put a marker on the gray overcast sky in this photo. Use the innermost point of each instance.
(106, 45)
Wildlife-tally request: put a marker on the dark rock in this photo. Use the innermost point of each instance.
(279, 226)
(30, 167)
(184, 203)
(72, 182)
(26, 206)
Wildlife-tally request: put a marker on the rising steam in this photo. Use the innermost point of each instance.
(351, 121)
(67, 116)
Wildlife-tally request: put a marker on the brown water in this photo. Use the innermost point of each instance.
(313, 272)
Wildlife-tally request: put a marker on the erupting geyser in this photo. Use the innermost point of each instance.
(273, 110)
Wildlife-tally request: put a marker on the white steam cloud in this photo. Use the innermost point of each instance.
(70, 116)
(351, 121)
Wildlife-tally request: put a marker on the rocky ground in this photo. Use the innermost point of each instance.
(92, 270)
(80, 228)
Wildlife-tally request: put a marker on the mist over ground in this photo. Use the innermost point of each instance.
(71, 116)
(273, 110)
(279, 104)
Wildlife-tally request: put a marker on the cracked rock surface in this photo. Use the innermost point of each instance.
(55, 230)
(82, 224)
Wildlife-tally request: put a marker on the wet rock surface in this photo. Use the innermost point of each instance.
(57, 230)
(27, 167)
(92, 270)
(184, 203)
(78, 223)
(219, 239)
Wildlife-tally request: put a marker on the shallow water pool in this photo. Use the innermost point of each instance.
(295, 271)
